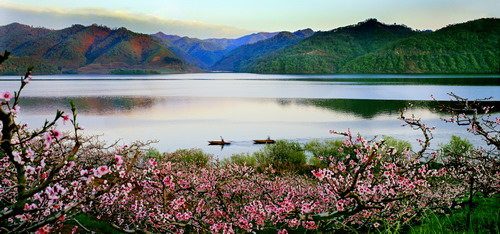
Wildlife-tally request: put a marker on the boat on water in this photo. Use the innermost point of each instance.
(266, 141)
(221, 142)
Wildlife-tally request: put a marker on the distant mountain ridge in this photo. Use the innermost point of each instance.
(242, 57)
(366, 47)
(205, 53)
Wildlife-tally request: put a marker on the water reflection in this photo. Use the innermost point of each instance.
(187, 110)
(189, 122)
(87, 105)
(211, 108)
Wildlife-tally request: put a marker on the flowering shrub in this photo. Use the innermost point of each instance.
(49, 176)
(166, 194)
(470, 170)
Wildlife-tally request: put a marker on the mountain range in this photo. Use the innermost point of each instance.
(204, 53)
(366, 47)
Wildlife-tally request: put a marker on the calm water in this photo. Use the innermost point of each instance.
(187, 110)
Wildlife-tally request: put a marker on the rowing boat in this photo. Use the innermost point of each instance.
(218, 143)
(268, 141)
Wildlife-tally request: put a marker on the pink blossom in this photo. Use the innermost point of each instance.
(48, 138)
(6, 96)
(376, 225)
(65, 118)
(309, 225)
(293, 223)
(341, 167)
(184, 216)
(17, 157)
(43, 230)
(152, 162)
(57, 134)
(30, 154)
(284, 231)
(15, 110)
(102, 170)
(178, 203)
(22, 217)
(118, 160)
(30, 170)
(306, 208)
(319, 174)
(340, 206)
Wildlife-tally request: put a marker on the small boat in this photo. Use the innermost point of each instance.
(221, 142)
(266, 141)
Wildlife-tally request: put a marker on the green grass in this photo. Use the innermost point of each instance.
(485, 218)
(92, 224)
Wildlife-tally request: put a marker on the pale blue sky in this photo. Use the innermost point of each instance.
(232, 18)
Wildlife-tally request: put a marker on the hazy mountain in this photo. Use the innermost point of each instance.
(472, 47)
(230, 44)
(92, 49)
(195, 51)
(245, 56)
(204, 53)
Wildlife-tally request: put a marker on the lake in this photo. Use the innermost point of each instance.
(187, 110)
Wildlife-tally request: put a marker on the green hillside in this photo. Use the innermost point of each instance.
(471, 47)
(18, 65)
(327, 52)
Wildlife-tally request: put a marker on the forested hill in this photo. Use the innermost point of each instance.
(81, 49)
(328, 52)
(373, 47)
(472, 47)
